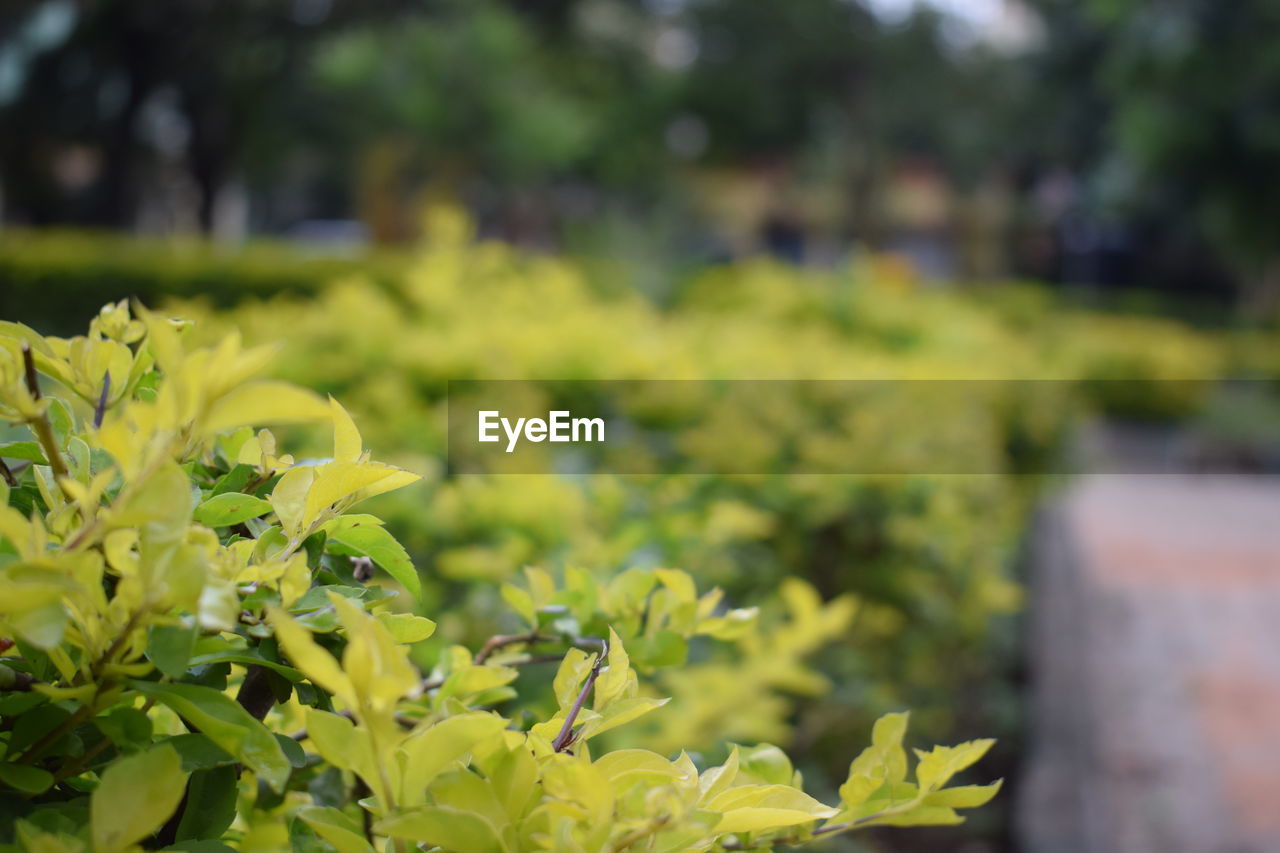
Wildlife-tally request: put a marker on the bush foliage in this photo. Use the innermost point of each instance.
(928, 558)
(196, 656)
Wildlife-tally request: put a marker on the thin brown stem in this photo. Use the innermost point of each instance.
(493, 644)
(74, 768)
(82, 714)
(255, 694)
(7, 474)
(49, 443)
(501, 641)
(101, 409)
(29, 368)
(116, 645)
(252, 486)
(40, 426)
(652, 828)
(566, 736)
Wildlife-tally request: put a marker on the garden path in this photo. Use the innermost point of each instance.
(1154, 635)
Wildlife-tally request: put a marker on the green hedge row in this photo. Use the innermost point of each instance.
(58, 279)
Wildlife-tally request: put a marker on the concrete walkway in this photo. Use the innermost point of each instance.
(1155, 643)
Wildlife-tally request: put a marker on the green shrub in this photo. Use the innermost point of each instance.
(195, 657)
(59, 278)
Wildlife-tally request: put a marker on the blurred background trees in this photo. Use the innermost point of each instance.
(1101, 143)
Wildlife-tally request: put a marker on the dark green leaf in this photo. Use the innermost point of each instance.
(351, 538)
(318, 597)
(30, 780)
(29, 728)
(169, 647)
(292, 750)
(125, 726)
(247, 657)
(227, 724)
(211, 804)
(198, 752)
(13, 704)
(234, 480)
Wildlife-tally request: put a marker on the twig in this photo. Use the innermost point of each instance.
(566, 736)
(361, 791)
(74, 768)
(255, 694)
(29, 367)
(636, 835)
(116, 645)
(258, 479)
(493, 644)
(82, 714)
(7, 474)
(101, 409)
(501, 641)
(40, 425)
(533, 660)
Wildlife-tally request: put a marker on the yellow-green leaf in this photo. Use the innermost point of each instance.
(289, 499)
(447, 828)
(316, 663)
(407, 628)
(624, 766)
(885, 758)
(937, 766)
(332, 735)
(426, 755)
(922, 815)
(753, 819)
(337, 828)
(346, 438)
(616, 676)
(136, 796)
(964, 796)
(265, 402)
